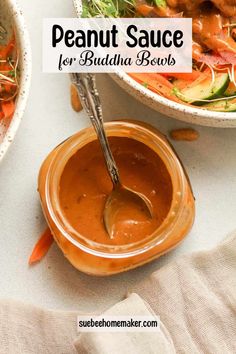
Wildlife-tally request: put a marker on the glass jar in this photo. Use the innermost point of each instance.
(100, 259)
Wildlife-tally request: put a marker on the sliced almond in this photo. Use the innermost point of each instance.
(186, 134)
(75, 101)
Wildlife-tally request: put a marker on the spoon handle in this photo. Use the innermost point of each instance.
(90, 100)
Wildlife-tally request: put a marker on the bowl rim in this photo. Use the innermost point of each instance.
(25, 53)
(199, 116)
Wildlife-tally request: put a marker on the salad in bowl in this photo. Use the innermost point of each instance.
(208, 94)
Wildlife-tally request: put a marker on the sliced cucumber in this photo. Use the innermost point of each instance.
(205, 90)
(222, 105)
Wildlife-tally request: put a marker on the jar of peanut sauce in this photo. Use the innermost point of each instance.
(73, 185)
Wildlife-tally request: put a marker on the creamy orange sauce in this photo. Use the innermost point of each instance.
(85, 186)
(208, 31)
(227, 7)
(210, 20)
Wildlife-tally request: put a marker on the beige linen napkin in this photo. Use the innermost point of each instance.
(194, 296)
(26, 329)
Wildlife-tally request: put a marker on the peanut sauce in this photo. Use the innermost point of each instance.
(210, 21)
(85, 185)
(73, 185)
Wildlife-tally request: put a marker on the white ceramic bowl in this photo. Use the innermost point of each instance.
(11, 17)
(167, 107)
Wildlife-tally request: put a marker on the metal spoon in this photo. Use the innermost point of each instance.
(120, 195)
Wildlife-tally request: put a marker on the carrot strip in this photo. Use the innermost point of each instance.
(144, 9)
(8, 108)
(8, 87)
(185, 76)
(166, 11)
(5, 67)
(8, 49)
(155, 85)
(151, 77)
(161, 79)
(8, 79)
(42, 246)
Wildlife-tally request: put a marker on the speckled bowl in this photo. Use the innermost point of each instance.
(167, 107)
(11, 17)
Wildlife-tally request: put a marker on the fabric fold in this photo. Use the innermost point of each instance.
(154, 342)
(29, 329)
(195, 297)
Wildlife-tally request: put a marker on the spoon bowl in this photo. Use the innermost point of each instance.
(119, 202)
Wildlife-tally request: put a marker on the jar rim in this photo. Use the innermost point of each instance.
(116, 128)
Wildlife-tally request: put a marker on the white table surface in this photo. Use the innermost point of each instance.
(54, 283)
